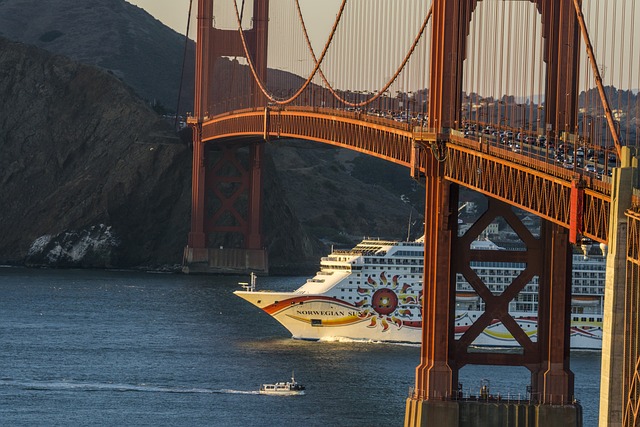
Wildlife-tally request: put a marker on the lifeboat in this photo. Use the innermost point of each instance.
(585, 300)
(466, 297)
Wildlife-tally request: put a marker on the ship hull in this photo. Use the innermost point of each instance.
(319, 317)
(374, 292)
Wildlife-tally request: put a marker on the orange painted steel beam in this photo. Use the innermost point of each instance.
(541, 193)
(576, 213)
(539, 187)
(550, 259)
(234, 188)
(386, 140)
(253, 238)
(631, 379)
(435, 376)
(555, 380)
(497, 306)
(196, 238)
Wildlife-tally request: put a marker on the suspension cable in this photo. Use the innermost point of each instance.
(389, 82)
(598, 78)
(317, 61)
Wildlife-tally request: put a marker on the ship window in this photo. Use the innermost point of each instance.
(316, 322)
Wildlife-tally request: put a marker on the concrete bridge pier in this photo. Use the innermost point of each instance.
(491, 414)
(613, 337)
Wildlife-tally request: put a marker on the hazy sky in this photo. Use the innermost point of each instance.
(319, 16)
(174, 13)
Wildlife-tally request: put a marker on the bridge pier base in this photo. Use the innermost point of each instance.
(493, 413)
(225, 261)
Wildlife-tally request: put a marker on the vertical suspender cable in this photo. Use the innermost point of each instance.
(632, 52)
(352, 61)
(379, 57)
(493, 90)
(473, 66)
(425, 66)
(538, 74)
(387, 55)
(507, 62)
(502, 65)
(184, 60)
(404, 18)
(482, 75)
(363, 35)
(618, 42)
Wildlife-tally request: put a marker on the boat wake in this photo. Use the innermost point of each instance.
(367, 341)
(111, 387)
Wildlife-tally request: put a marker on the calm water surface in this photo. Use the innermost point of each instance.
(126, 348)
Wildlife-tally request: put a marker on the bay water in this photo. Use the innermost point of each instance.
(111, 348)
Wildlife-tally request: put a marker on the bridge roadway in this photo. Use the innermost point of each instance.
(531, 183)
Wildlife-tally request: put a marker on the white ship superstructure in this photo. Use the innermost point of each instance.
(374, 292)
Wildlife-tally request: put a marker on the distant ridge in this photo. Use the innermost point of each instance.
(112, 34)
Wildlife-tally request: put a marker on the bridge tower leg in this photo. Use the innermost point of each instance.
(226, 208)
(562, 42)
(435, 400)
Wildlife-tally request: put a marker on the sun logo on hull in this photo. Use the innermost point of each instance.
(388, 303)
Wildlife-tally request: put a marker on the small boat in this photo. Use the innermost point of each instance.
(292, 388)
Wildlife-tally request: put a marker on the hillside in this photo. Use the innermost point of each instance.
(91, 176)
(111, 34)
(81, 155)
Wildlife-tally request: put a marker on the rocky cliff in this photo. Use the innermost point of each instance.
(89, 174)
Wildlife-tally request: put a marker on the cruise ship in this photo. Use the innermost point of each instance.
(373, 292)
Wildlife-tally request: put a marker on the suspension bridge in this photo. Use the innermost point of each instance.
(533, 103)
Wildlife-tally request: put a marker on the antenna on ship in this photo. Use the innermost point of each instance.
(407, 201)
